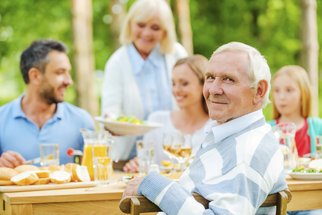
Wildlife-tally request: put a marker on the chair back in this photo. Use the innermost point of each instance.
(136, 205)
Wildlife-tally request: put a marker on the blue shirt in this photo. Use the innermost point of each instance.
(152, 79)
(20, 134)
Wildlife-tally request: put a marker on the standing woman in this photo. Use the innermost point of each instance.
(138, 75)
(191, 117)
(291, 99)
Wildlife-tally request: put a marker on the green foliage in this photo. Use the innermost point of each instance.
(272, 26)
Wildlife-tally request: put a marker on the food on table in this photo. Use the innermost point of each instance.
(71, 168)
(32, 175)
(42, 173)
(82, 174)
(24, 168)
(60, 177)
(53, 168)
(127, 178)
(42, 181)
(78, 173)
(129, 119)
(25, 178)
(316, 164)
(6, 174)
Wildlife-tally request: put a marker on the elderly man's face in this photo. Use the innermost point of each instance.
(227, 87)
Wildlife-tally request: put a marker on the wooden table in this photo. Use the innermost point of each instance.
(306, 195)
(104, 200)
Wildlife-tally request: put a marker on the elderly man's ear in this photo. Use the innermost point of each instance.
(261, 91)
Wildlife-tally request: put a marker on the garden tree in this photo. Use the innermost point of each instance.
(84, 59)
(117, 13)
(310, 50)
(184, 24)
(271, 26)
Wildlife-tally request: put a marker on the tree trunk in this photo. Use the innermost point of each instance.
(310, 48)
(184, 24)
(117, 11)
(84, 59)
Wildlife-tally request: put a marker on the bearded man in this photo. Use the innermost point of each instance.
(40, 115)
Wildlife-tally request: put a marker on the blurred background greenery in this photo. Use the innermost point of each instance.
(272, 26)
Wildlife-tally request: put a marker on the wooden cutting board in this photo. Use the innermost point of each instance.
(15, 188)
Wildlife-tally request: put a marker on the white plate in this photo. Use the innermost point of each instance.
(306, 176)
(126, 128)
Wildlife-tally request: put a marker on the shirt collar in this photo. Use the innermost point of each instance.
(18, 113)
(221, 131)
(16, 108)
(153, 58)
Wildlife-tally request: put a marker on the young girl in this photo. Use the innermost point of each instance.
(192, 115)
(291, 99)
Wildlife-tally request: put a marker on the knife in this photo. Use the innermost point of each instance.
(33, 161)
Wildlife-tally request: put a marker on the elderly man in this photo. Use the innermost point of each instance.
(239, 163)
(40, 115)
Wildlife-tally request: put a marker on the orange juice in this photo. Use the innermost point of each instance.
(90, 150)
(103, 169)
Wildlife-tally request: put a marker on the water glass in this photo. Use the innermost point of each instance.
(145, 155)
(49, 154)
(286, 134)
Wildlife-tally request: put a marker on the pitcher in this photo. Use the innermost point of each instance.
(96, 144)
(286, 134)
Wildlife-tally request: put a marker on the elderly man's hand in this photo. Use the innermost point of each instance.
(132, 166)
(132, 187)
(11, 159)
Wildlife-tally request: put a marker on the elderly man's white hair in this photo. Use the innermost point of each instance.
(258, 67)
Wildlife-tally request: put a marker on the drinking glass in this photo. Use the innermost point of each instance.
(177, 147)
(102, 170)
(286, 134)
(49, 154)
(145, 155)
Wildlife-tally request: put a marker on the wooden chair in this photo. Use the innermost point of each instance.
(136, 205)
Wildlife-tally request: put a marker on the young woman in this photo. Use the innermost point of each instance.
(291, 99)
(192, 115)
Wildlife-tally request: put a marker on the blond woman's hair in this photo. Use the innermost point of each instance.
(143, 11)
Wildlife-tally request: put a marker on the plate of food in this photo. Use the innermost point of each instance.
(127, 125)
(312, 172)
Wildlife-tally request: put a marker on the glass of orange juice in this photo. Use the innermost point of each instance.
(96, 145)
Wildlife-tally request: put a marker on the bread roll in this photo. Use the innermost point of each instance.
(25, 178)
(25, 168)
(54, 168)
(71, 168)
(42, 173)
(43, 181)
(5, 182)
(60, 177)
(7, 173)
(82, 174)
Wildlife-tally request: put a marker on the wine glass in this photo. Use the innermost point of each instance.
(177, 147)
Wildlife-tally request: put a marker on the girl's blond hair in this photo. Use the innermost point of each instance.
(301, 78)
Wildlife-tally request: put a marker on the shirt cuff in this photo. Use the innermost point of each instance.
(152, 185)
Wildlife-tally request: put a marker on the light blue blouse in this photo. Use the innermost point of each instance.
(152, 79)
